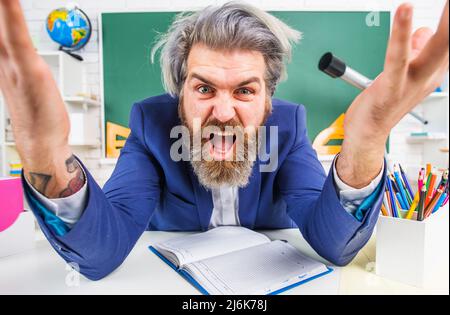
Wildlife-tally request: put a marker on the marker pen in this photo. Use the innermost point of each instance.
(336, 68)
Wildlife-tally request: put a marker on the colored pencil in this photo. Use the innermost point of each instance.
(403, 205)
(399, 200)
(403, 194)
(444, 180)
(430, 188)
(392, 198)
(447, 192)
(391, 209)
(384, 211)
(428, 178)
(409, 198)
(408, 186)
(394, 185)
(386, 201)
(421, 179)
(429, 208)
(428, 170)
(421, 203)
(399, 207)
(440, 202)
(413, 206)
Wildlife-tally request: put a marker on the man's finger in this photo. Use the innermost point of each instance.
(435, 52)
(3, 54)
(419, 39)
(399, 46)
(14, 32)
(2, 48)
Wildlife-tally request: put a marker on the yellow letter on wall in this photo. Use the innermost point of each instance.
(113, 144)
(334, 132)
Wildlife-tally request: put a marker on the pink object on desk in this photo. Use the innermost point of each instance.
(11, 201)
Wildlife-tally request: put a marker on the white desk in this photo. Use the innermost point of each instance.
(42, 271)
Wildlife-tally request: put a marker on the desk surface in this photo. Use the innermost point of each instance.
(42, 271)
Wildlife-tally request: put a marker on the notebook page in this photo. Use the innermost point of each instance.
(217, 241)
(258, 270)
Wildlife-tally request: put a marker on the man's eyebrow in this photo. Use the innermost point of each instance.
(199, 77)
(249, 80)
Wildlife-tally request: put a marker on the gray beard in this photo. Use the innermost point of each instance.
(214, 174)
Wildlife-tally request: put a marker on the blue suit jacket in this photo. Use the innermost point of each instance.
(148, 190)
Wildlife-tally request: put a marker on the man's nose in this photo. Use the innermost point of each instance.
(224, 108)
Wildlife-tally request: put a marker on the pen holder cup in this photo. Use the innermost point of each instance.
(413, 252)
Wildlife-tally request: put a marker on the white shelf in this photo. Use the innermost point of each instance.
(74, 144)
(66, 70)
(438, 95)
(420, 140)
(436, 136)
(49, 53)
(81, 101)
(87, 144)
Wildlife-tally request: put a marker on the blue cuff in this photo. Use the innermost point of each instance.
(55, 224)
(368, 203)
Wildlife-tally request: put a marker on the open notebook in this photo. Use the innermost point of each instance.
(236, 260)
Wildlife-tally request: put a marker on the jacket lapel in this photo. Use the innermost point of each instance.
(249, 198)
(203, 200)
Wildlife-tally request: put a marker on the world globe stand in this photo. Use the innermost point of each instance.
(71, 28)
(78, 57)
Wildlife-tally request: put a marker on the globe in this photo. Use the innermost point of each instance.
(69, 27)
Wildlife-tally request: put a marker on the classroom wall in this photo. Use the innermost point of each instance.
(426, 14)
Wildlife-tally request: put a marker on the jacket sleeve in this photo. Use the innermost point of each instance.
(314, 205)
(68, 209)
(114, 218)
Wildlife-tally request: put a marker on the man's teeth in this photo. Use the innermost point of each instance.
(222, 141)
(221, 133)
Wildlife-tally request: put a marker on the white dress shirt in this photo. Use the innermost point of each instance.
(226, 206)
(225, 201)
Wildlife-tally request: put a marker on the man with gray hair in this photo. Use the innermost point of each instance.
(220, 67)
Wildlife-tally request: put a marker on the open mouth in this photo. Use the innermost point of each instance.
(221, 145)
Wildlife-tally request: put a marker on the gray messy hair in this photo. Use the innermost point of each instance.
(230, 26)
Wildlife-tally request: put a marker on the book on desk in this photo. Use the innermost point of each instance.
(235, 260)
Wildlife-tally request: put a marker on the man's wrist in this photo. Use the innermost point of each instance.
(357, 165)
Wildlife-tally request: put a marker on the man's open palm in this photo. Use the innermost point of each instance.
(414, 67)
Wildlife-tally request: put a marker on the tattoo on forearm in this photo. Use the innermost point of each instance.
(75, 183)
(39, 181)
(72, 164)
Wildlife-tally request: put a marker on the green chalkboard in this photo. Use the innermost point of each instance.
(128, 74)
